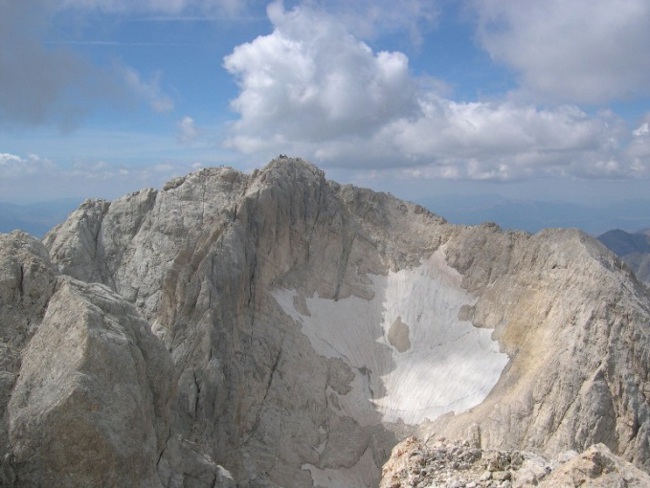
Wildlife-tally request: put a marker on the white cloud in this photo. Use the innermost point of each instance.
(639, 149)
(311, 80)
(34, 178)
(371, 18)
(188, 132)
(13, 166)
(310, 88)
(590, 51)
(505, 140)
(148, 90)
(642, 130)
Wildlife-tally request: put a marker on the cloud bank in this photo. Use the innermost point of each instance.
(51, 180)
(582, 51)
(312, 88)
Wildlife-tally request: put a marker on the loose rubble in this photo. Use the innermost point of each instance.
(449, 464)
(453, 464)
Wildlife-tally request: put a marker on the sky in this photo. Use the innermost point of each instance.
(545, 100)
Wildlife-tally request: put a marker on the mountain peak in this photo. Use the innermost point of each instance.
(310, 327)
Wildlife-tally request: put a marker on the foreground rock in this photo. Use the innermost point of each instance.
(94, 390)
(86, 387)
(459, 465)
(279, 329)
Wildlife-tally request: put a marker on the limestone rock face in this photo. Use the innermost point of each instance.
(284, 330)
(94, 390)
(597, 467)
(86, 385)
(27, 280)
(572, 319)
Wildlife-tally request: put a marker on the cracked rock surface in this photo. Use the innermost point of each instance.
(281, 330)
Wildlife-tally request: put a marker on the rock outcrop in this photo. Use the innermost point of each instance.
(279, 329)
(94, 390)
(460, 465)
(86, 385)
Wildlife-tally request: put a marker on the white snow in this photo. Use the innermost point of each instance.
(450, 366)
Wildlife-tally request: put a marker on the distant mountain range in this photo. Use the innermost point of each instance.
(633, 248)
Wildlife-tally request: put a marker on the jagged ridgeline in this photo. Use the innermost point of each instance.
(281, 330)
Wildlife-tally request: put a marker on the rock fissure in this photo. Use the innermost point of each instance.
(269, 382)
(21, 280)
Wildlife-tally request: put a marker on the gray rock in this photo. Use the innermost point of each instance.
(413, 464)
(271, 298)
(91, 404)
(597, 467)
(27, 280)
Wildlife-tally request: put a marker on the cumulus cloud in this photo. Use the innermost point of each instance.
(591, 51)
(642, 130)
(639, 149)
(371, 18)
(311, 88)
(13, 166)
(313, 81)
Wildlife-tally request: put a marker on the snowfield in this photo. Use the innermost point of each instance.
(412, 357)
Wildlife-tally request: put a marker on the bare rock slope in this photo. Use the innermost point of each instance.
(279, 329)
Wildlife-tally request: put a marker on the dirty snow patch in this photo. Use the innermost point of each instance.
(433, 363)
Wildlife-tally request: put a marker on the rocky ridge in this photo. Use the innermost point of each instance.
(279, 329)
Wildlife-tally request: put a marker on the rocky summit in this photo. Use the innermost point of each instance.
(281, 330)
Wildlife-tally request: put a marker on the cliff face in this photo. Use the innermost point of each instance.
(279, 329)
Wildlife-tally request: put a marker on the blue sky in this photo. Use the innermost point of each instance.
(546, 100)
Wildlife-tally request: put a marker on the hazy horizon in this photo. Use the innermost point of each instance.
(630, 215)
